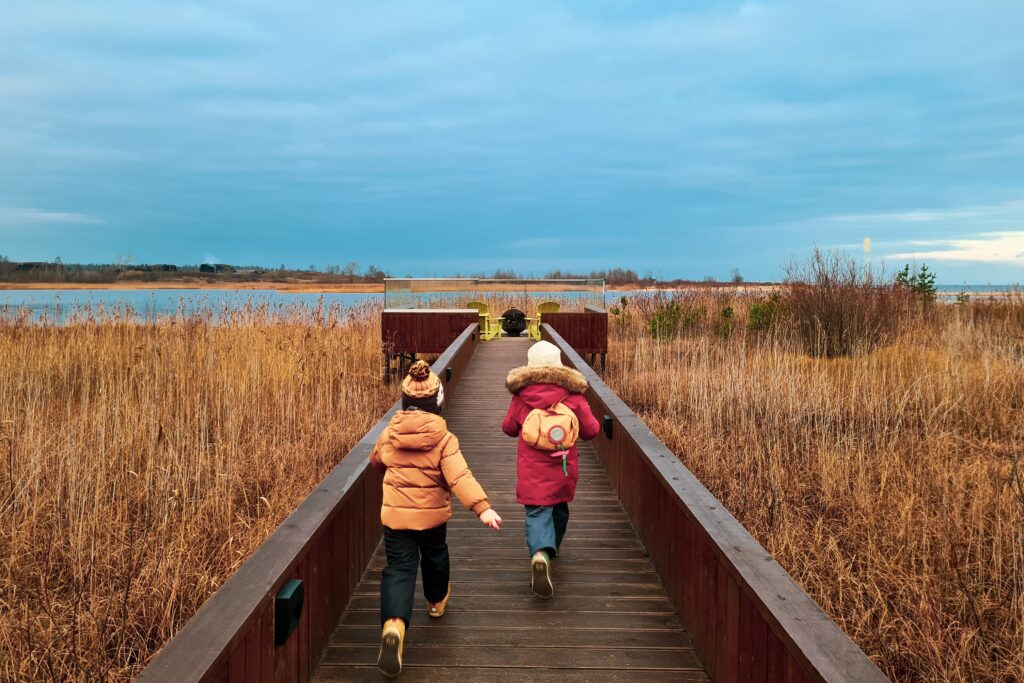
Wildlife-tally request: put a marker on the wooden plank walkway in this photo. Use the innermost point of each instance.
(609, 620)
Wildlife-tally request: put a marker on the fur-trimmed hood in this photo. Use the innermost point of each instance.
(569, 379)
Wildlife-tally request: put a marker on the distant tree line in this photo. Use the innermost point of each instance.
(124, 270)
(611, 276)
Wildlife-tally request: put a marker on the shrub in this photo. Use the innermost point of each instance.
(671, 319)
(724, 327)
(763, 313)
(838, 308)
(921, 283)
(620, 313)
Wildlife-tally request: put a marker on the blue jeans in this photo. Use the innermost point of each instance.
(545, 527)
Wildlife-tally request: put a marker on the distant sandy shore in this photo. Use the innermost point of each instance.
(292, 287)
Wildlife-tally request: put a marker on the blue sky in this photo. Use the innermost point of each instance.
(431, 137)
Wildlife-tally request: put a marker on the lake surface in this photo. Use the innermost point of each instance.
(57, 305)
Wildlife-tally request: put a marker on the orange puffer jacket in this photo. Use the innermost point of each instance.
(422, 463)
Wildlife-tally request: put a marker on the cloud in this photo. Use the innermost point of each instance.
(274, 135)
(906, 216)
(28, 216)
(1007, 210)
(1000, 247)
(534, 243)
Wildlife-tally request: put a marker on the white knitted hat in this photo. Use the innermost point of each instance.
(544, 355)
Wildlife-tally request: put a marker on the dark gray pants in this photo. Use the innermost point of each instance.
(545, 527)
(407, 550)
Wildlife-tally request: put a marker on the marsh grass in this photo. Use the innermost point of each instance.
(888, 481)
(142, 463)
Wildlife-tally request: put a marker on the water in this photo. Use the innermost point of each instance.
(57, 305)
(977, 289)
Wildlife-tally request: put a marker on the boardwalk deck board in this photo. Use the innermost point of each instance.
(610, 618)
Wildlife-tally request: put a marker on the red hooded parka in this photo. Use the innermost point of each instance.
(540, 479)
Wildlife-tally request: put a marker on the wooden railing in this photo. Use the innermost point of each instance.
(326, 543)
(428, 330)
(748, 619)
(586, 331)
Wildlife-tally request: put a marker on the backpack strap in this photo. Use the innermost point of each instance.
(561, 400)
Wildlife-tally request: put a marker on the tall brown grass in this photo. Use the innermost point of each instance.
(889, 482)
(141, 463)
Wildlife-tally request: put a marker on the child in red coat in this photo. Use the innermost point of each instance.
(546, 481)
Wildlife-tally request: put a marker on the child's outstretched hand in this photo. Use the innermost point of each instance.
(490, 518)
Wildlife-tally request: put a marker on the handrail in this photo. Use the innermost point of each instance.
(822, 651)
(213, 636)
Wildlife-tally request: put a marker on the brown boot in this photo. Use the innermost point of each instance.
(540, 579)
(392, 637)
(437, 608)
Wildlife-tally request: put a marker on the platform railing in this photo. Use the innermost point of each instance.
(748, 619)
(326, 543)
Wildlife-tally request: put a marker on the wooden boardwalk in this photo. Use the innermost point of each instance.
(609, 620)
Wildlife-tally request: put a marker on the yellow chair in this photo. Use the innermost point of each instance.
(534, 322)
(490, 328)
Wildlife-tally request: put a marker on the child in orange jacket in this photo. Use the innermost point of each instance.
(423, 466)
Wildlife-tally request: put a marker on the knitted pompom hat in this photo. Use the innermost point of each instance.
(421, 382)
(544, 355)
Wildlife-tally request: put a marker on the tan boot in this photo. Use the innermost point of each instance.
(540, 579)
(437, 608)
(392, 637)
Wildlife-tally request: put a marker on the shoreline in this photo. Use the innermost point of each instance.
(378, 288)
(284, 287)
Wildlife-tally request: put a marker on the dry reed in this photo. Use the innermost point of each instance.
(141, 463)
(890, 483)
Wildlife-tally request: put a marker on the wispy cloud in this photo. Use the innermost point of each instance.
(537, 243)
(905, 216)
(1009, 209)
(1000, 247)
(16, 216)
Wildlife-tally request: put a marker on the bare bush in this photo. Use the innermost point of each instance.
(838, 307)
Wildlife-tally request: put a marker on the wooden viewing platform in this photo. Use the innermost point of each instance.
(656, 580)
(610, 617)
